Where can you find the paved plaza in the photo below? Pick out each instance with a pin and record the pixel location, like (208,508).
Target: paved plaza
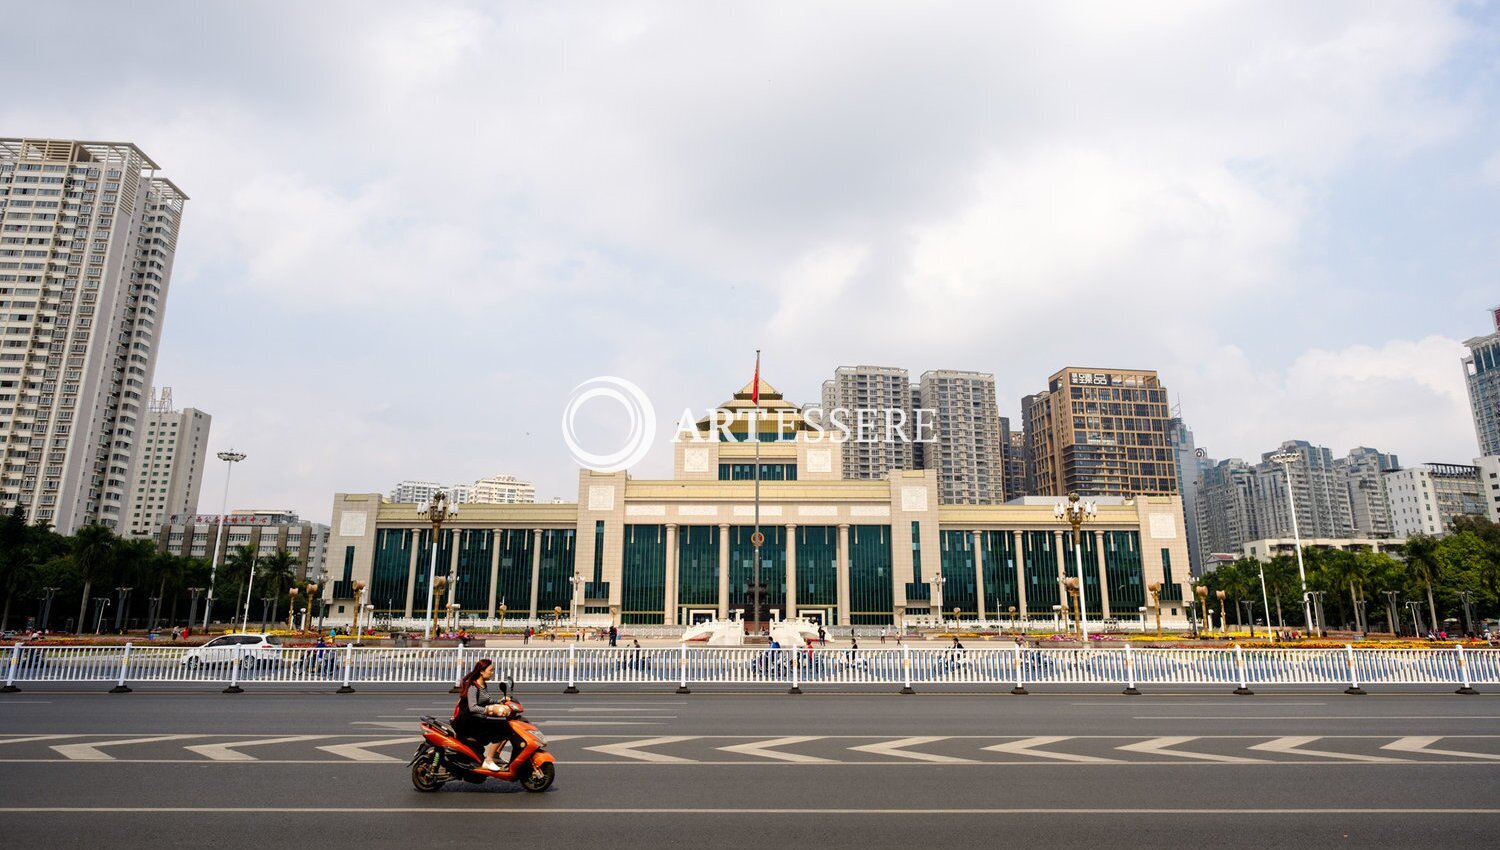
(642,768)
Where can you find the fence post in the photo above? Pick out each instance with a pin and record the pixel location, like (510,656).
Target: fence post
(1020,688)
(796,656)
(572,687)
(1354,687)
(1130,689)
(460,676)
(1463,669)
(120,687)
(682,687)
(10,677)
(234,673)
(1239,664)
(906,668)
(348,669)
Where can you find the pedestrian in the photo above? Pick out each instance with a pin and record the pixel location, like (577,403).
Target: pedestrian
(614,636)
(526,635)
(822,636)
(882,634)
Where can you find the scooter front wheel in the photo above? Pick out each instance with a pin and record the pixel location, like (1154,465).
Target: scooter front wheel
(540,778)
(423,776)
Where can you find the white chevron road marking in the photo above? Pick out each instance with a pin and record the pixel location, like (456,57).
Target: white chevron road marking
(897,749)
(1158,747)
(631,749)
(1026,747)
(358,752)
(1292,745)
(26,738)
(227,751)
(1423,744)
(95,752)
(765,750)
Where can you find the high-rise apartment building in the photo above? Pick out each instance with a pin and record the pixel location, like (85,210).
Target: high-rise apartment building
(86,247)
(1101,432)
(1318,491)
(422,492)
(1191,463)
(1226,511)
(1364,473)
(1482,374)
(967,451)
(885,395)
(1426,499)
(169,464)
(269,531)
(502,490)
(1016,457)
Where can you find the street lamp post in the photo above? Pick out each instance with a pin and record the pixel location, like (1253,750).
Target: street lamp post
(440,586)
(1467,597)
(1393,613)
(1249,606)
(1364,621)
(124,594)
(312,590)
(1075,512)
(1223,621)
(265,606)
(1286,459)
(291,610)
(453,609)
(556,620)
(1203,600)
(438,511)
(230,458)
(578,582)
(1154,588)
(359,593)
(1316,597)
(936,583)
(1416,617)
(47,606)
(193,606)
(100,603)
(502,617)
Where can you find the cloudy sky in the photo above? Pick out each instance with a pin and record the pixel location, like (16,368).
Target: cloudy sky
(415,227)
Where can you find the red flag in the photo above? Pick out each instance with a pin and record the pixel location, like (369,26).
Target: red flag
(755,384)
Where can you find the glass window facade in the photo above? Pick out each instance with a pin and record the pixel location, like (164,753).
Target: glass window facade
(1122,564)
(644,574)
(959,582)
(1040,558)
(424,565)
(475,548)
(768,472)
(870,580)
(772,569)
(1000,588)
(389,572)
(514,590)
(1093,601)
(558,549)
(698,565)
(817,565)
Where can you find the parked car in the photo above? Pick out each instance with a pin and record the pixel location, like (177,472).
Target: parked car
(252,649)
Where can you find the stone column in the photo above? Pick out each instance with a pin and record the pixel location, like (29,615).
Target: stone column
(843,574)
(979,573)
(1103,576)
(723,571)
(1017,553)
(411,573)
(669,605)
(495,570)
(791,571)
(536,569)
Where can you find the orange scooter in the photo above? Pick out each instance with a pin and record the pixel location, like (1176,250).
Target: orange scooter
(444,756)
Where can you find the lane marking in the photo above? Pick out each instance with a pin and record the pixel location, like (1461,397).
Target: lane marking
(23,740)
(1026,747)
(94,751)
(492,811)
(764,749)
(1158,747)
(630,749)
(897,749)
(1423,743)
(226,751)
(1293,744)
(1316,717)
(358,752)
(743,763)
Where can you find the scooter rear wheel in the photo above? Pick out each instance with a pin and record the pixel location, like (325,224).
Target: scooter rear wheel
(422,777)
(540,778)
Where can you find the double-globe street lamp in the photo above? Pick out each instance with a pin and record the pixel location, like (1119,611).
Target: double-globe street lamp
(1286,459)
(438,511)
(230,458)
(1075,512)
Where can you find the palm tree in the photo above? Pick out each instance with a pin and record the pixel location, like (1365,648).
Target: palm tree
(93,553)
(239,564)
(1422,560)
(279,570)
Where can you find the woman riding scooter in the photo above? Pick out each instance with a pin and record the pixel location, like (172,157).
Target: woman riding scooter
(480,718)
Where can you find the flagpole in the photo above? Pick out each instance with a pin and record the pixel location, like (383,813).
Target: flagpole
(756,538)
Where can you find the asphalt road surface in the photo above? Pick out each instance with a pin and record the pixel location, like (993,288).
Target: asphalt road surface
(650,769)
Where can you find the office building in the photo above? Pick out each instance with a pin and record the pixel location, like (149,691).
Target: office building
(1364,472)
(1482,375)
(1190,462)
(1015,457)
(269,531)
(1101,432)
(169,467)
(846,551)
(1489,484)
(1425,499)
(967,452)
(86,247)
(502,490)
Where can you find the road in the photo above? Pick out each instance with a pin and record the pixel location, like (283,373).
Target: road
(651,769)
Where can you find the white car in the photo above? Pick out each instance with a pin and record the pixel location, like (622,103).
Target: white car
(252,649)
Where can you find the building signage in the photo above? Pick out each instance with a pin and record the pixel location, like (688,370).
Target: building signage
(213,519)
(1097,379)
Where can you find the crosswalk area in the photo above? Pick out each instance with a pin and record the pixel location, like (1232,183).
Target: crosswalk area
(590,748)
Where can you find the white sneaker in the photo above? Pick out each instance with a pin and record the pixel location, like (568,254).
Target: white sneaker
(490,766)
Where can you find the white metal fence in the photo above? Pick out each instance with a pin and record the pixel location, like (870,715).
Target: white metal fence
(575,665)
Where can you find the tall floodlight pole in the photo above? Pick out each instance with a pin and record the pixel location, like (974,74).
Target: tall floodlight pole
(1075,512)
(230,458)
(438,511)
(1286,459)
